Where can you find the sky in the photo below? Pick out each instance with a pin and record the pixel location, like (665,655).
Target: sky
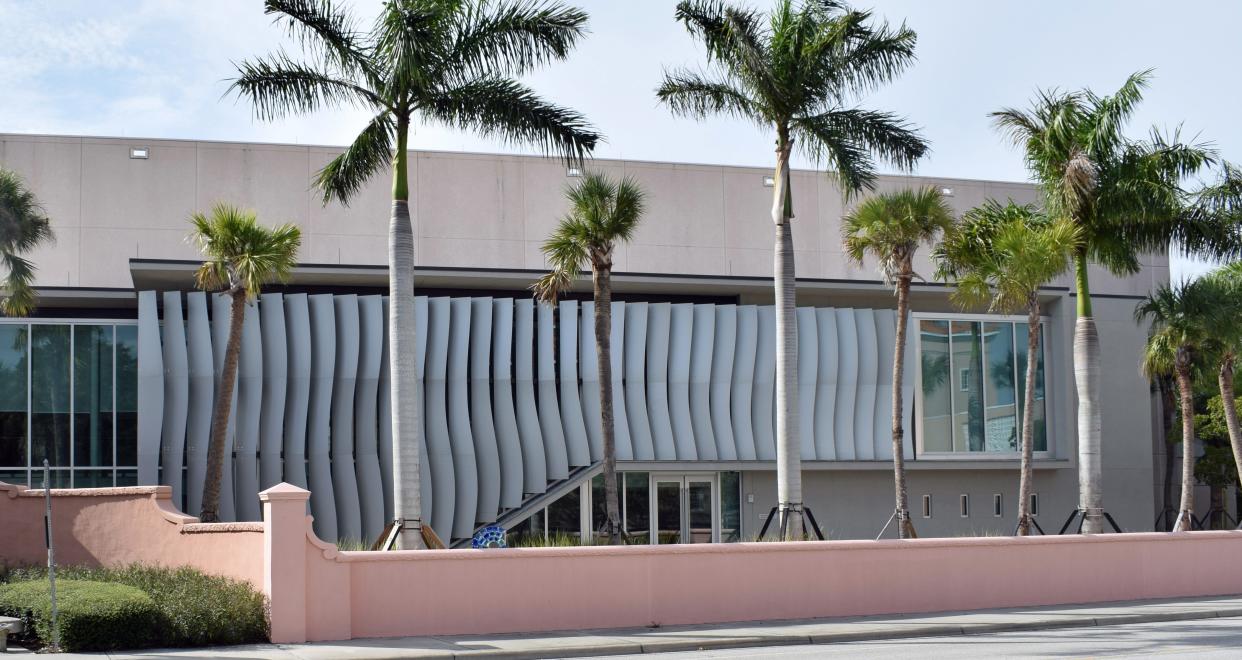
(161,69)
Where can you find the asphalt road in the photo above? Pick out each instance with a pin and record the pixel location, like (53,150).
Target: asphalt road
(1206,639)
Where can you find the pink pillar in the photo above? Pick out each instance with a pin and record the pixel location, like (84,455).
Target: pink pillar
(284,560)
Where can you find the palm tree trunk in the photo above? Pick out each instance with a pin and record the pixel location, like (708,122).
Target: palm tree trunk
(406,426)
(602,281)
(224,402)
(905,527)
(1028,418)
(788,449)
(1087,383)
(1186,511)
(1231,410)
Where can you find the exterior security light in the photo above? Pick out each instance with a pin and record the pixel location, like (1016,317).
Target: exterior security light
(573,172)
(768,182)
(139,152)
(946,191)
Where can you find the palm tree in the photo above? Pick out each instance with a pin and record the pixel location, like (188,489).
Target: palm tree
(1183,320)
(240,256)
(1000,255)
(1223,347)
(23,227)
(602,213)
(454,63)
(891,227)
(797,70)
(1127,199)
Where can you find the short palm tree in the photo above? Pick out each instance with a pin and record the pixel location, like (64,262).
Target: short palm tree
(1225,344)
(999,256)
(1183,320)
(797,71)
(602,213)
(453,63)
(23,227)
(891,227)
(1127,198)
(240,256)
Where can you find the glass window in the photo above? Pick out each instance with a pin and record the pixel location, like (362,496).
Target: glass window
(637,507)
(15,477)
(730,507)
(92,395)
(529,532)
(127,394)
(49,394)
(972,385)
(564,515)
(13,399)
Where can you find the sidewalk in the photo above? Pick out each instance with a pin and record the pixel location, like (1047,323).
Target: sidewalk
(714,636)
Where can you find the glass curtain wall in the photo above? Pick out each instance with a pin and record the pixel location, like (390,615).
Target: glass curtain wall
(68,394)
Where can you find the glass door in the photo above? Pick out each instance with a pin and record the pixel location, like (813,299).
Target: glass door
(685,508)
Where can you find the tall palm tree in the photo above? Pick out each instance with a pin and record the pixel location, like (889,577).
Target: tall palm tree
(999,256)
(891,227)
(1127,198)
(797,70)
(438,61)
(1182,320)
(240,256)
(23,227)
(602,213)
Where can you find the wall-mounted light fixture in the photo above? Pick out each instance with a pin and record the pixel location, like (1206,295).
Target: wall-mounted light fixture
(139,152)
(946,191)
(768,182)
(574,172)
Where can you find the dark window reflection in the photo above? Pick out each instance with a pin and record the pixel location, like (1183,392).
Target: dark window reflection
(127,394)
(13,400)
(92,395)
(49,400)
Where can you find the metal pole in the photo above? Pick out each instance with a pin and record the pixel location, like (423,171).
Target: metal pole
(51,551)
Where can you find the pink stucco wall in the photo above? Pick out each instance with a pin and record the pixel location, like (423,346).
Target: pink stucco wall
(118,526)
(318,593)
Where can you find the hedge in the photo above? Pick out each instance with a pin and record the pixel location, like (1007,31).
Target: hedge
(192,608)
(92,616)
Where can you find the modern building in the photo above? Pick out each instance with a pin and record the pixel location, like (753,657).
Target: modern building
(113,378)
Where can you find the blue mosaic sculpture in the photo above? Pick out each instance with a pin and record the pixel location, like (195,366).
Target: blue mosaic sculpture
(492,536)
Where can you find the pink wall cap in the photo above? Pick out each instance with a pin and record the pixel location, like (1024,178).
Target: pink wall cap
(284,491)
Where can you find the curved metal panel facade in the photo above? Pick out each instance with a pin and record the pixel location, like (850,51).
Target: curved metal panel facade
(501,382)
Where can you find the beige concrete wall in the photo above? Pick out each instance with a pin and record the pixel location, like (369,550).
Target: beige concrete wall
(471,210)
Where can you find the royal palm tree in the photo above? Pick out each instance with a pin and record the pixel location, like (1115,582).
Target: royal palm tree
(1127,198)
(999,256)
(1182,320)
(797,70)
(239,257)
(438,61)
(602,213)
(890,227)
(23,227)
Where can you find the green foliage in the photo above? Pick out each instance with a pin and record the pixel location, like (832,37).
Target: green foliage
(891,226)
(191,608)
(1125,195)
(23,227)
(602,213)
(1216,468)
(429,61)
(1183,320)
(91,616)
(798,68)
(1000,255)
(240,253)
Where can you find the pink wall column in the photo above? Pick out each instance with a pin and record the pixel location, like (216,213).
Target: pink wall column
(284,560)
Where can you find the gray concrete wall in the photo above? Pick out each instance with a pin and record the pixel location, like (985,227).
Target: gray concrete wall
(471,210)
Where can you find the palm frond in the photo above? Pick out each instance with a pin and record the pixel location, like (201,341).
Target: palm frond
(369,153)
(511,112)
(24,226)
(279,86)
(891,227)
(846,139)
(239,253)
(695,95)
(327,30)
(513,37)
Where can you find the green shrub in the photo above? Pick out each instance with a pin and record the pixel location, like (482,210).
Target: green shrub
(193,608)
(92,616)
